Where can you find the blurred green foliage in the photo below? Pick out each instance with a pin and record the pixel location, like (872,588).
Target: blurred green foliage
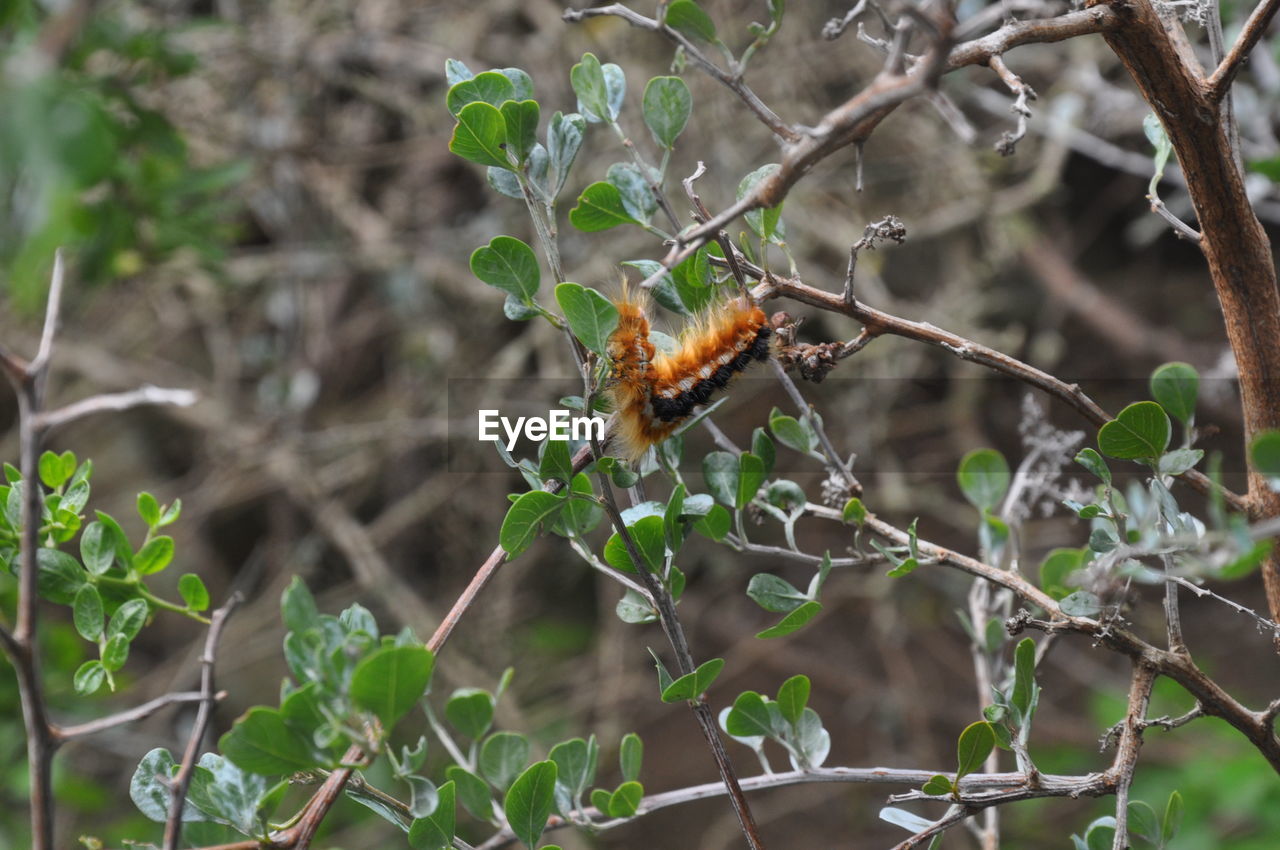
(85,163)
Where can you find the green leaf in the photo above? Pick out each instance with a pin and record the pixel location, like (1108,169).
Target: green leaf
(938,785)
(764,222)
(470,710)
(555,463)
(975,744)
(473,792)
(1265,454)
(390,681)
(631,755)
(687,17)
(695,684)
(520,118)
(97,548)
(573,764)
(601,798)
(149,509)
(794,621)
(508,264)
(693,280)
(520,81)
(524,520)
(1175,386)
(854,512)
(502,756)
(52,471)
(155,556)
(749,716)
(298,607)
(1093,462)
(579,516)
(1143,822)
(115,652)
(1248,562)
(600,207)
(129,619)
(633,188)
(793,696)
(715,524)
(722,473)
(790,432)
(261,742)
(750,477)
(60,577)
(530,801)
(1163,148)
(785,494)
(193,592)
(564,140)
(775,594)
(1172,817)
(591,316)
(120,540)
(1103,539)
(903,568)
(1179,461)
(480,135)
(587,79)
(491,87)
(436,830)
(151,783)
(762,447)
(170,514)
(649,537)
(1082,603)
(86,613)
(664,678)
(1056,570)
(89,677)
(667,105)
(1101,834)
(907,820)
(1140,432)
(1024,673)
(984,478)
(625,800)
(672,519)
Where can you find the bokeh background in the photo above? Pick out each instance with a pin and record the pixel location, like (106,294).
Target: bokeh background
(259,205)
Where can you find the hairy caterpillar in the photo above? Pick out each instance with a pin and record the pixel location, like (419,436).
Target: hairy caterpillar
(654,392)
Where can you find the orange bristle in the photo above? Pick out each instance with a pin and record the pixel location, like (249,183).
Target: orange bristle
(654,394)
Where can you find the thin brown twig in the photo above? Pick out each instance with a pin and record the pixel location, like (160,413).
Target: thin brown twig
(1219,81)
(877,322)
(1022,94)
(684,660)
(1126,760)
(114,402)
(733,81)
(130,715)
(41,739)
(182,781)
(853,122)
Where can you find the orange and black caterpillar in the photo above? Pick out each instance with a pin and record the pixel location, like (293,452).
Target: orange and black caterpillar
(653,393)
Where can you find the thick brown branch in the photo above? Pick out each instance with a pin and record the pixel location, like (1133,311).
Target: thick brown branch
(1155,52)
